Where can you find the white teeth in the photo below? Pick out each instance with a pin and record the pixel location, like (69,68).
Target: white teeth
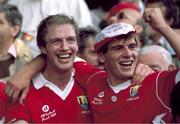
(126,63)
(64,56)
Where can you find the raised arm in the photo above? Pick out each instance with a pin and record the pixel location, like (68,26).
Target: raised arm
(19,82)
(155,19)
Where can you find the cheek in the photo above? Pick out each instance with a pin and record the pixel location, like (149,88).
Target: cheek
(49,50)
(74,48)
(135,54)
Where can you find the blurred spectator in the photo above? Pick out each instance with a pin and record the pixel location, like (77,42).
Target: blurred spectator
(3,1)
(154,35)
(139,3)
(171,14)
(124,10)
(80,11)
(33,11)
(86,45)
(13,52)
(156,57)
(98,9)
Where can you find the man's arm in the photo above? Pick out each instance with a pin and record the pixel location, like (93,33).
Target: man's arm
(19,122)
(155,19)
(19,82)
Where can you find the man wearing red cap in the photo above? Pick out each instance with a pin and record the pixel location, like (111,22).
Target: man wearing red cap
(112,96)
(124,10)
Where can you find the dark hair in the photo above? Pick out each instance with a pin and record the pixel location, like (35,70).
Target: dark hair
(104,48)
(12,15)
(58,19)
(84,34)
(175,100)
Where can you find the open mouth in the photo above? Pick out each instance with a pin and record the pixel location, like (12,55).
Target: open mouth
(63,56)
(126,63)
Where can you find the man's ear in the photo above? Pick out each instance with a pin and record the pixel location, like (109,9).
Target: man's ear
(15,30)
(171,67)
(43,49)
(100,57)
(138,28)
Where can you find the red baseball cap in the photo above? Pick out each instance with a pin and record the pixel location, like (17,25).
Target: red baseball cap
(123,5)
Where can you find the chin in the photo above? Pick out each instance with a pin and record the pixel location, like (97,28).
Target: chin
(128,74)
(65,66)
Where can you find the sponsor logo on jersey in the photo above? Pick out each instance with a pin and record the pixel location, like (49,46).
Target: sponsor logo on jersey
(97,101)
(45,108)
(101,94)
(83,102)
(47,113)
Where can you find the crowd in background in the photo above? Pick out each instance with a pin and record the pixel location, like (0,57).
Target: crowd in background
(18,31)
(96,15)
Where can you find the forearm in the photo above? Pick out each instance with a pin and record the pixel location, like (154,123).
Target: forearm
(29,70)
(155,19)
(20,122)
(35,66)
(172,37)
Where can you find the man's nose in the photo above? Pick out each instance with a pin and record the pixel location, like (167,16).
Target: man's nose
(64,45)
(127,52)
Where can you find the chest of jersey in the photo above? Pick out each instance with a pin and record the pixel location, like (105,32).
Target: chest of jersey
(138,103)
(49,107)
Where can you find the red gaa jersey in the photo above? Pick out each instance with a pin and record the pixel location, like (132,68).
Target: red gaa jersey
(144,103)
(3,100)
(46,103)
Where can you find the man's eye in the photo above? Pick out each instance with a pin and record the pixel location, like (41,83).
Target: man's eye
(116,48)
(133,46)
(71,40)
(54,42)
(120,15)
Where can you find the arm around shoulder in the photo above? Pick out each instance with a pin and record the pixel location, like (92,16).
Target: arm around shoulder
(20,81)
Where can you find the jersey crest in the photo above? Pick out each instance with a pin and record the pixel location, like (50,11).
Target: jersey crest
(83,102)
(134,90)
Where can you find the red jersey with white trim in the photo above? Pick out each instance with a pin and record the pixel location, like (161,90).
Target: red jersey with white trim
(3,100)
(138,103)
(45,106)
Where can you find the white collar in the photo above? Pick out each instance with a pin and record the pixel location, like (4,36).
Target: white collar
(39,81)
(120,87)
(12,51)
